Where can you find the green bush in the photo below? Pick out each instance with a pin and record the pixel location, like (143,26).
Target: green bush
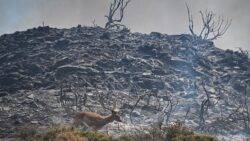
(26,132)
(55,131)
(175,132)
(179,132)
(96,136)
(193,138)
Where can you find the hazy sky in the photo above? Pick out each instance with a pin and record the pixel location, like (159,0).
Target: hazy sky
(165,16)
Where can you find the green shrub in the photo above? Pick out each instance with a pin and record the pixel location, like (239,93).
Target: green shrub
(95,136)
(69,136)
(55,131)
(26,132)
(177,129)
(193,138)
(124,138)
(175,132)
(30,133)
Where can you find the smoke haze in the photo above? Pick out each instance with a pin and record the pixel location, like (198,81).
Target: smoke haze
(165,16)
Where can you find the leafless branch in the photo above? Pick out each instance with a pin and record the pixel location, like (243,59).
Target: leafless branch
(244,53)
(186,115)
(104,97)
(206,103)
(117,6)
(94,23)
(190,20)
(212,27)
(246,111)
(135,105)
(168,109)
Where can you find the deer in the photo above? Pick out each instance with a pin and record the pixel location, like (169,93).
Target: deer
(95,120)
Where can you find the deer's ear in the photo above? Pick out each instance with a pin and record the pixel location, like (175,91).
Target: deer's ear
(114,106)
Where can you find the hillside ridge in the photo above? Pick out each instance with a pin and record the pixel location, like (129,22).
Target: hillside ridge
(46,73)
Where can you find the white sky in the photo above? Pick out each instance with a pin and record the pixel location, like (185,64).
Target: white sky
(165,16)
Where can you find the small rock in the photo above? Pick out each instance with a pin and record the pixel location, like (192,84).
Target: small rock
(31,96)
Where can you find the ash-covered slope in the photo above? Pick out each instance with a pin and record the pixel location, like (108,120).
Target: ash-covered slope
(45,73)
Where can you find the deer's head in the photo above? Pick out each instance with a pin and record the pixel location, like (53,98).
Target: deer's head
(115,115)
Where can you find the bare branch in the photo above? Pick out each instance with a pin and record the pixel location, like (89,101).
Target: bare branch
(135,105)
(212,27)
(117,6)
(101,98)
(190,19)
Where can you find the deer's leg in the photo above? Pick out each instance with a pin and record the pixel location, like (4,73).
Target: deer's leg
(107,129)
(94,129)
(86,126)
(76,122)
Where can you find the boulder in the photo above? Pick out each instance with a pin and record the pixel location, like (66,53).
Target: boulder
(62,62)
(68,70)
(149,83)
(61,44)
(177,62)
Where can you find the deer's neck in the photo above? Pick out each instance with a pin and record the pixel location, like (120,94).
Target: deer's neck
(108,119)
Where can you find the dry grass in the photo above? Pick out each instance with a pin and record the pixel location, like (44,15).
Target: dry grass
(175,132)
(69,136)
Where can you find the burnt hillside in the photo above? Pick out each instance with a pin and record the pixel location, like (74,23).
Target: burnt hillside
(47,72)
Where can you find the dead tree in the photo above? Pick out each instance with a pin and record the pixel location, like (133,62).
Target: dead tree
(206,104)
(105,99)
(244,53)
(190,20)
(168,109)
(73,93)
(246,110)
(116,8)
(213,27)
(135,105)
(186,115)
